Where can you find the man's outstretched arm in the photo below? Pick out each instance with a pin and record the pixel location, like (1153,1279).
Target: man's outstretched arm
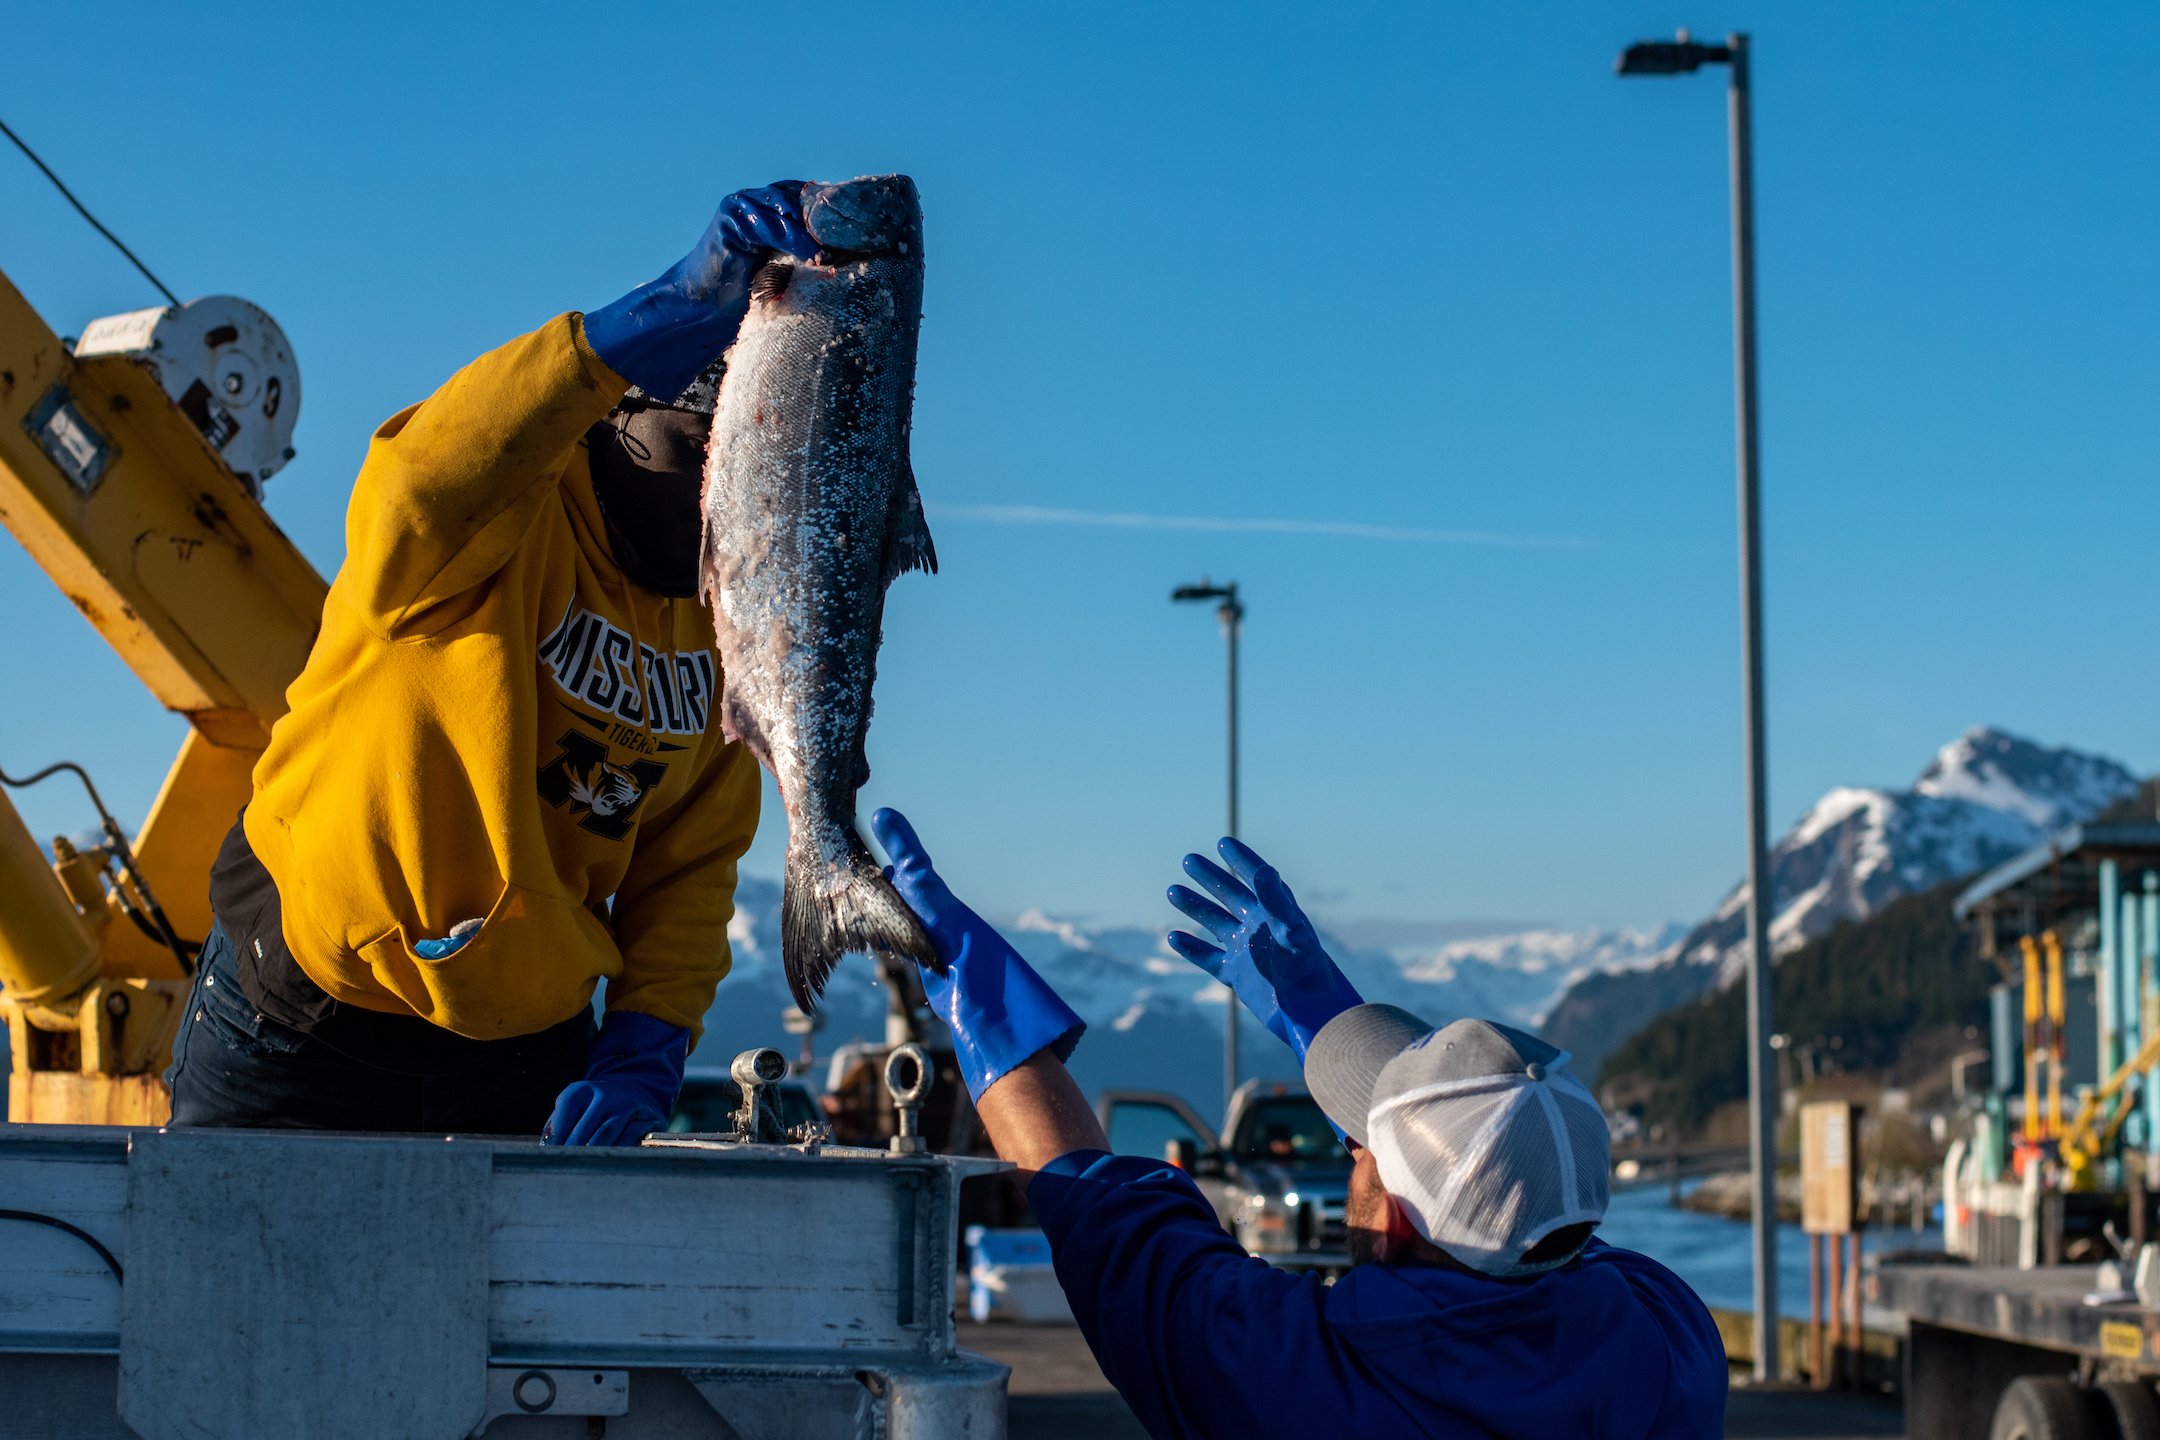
(1036,1113)
(1200,1338)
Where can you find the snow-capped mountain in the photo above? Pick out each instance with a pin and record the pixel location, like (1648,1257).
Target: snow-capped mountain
(1516,977)
(2049,788)
(1986,796)
(1154,1022)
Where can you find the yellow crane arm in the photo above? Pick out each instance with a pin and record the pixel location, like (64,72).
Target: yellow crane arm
(117,495)
(160,547)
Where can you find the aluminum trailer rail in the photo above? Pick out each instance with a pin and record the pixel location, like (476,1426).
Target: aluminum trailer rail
(428,1288)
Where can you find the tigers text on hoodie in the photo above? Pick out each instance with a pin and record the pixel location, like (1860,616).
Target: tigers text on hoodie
(1205,1342)
(496,724)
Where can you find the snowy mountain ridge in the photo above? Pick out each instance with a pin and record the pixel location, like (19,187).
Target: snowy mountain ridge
(2049,787)
(1985,797)
(1154,1021)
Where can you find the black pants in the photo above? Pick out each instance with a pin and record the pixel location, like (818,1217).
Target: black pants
(234,1066)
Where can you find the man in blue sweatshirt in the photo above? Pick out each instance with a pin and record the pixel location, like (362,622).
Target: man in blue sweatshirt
(1481,1303)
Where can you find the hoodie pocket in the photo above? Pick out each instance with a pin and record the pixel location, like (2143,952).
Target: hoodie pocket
(526,968)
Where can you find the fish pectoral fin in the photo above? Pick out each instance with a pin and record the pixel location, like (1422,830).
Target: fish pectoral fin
(739,726)
(907,534)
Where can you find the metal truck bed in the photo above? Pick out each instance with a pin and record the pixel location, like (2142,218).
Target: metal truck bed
(421,1286)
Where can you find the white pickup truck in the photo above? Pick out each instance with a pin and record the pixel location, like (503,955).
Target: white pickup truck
(1276,1173)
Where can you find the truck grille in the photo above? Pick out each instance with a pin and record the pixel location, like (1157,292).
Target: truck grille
(1321,1225)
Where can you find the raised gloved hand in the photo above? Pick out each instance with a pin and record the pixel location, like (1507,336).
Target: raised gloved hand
(662,335)
(631,1081)
(1001,1012)
(1269,955)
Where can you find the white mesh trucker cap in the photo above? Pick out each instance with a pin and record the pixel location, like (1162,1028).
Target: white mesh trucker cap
(1481,1132)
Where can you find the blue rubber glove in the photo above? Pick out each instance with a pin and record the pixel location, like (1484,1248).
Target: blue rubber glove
(1001,1012)
(631,1081)
(1270,955)
(662,335)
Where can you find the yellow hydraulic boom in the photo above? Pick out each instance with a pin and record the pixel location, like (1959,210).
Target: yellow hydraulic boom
(121,492)
(2100,1117)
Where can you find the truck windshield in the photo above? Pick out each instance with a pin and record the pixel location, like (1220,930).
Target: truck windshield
(1286,1127)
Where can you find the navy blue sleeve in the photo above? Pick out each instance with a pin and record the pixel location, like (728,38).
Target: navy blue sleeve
(1201,1339)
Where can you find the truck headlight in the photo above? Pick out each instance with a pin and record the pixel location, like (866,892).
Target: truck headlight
(1268,1225)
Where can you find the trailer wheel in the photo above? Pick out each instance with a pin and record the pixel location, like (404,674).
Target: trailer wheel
(2046,1407)
(2136,1410)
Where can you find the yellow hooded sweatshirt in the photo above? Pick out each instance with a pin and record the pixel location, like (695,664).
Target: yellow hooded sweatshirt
(496,724)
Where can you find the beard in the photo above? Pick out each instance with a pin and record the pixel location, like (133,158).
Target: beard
(1365,1216)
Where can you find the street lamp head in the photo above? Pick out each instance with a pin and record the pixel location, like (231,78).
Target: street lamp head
(1669,57)
(1205,590)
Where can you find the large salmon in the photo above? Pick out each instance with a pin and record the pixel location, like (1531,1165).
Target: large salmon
(810,511)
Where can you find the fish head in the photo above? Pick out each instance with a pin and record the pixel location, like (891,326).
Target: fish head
(874,215)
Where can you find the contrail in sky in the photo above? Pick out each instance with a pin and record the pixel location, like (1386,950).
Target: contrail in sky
(1242,525)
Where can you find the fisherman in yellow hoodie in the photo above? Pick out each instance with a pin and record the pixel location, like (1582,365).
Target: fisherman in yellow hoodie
(502,778)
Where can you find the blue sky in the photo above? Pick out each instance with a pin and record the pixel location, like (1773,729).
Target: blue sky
(1422,268)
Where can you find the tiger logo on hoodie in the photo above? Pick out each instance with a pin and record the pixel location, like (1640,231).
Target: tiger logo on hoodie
(604,795)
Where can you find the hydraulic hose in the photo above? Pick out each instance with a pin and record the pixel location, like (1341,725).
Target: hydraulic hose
(153,920)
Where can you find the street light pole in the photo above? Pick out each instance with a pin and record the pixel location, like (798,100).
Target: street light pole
(1762,1079)
(1231,612)
(1679,57)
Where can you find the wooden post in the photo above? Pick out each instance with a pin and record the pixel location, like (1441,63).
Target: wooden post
(1852,1332)
(1837,1309)
(1816,1371)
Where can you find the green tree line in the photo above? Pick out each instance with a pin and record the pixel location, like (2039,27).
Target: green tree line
(1868,984)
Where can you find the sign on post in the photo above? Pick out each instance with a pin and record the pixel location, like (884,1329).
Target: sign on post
(1830,1206)
(1829,1172)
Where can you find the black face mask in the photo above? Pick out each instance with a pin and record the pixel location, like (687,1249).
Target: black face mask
(648,470)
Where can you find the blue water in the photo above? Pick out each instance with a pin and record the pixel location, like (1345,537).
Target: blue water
(1713,1255)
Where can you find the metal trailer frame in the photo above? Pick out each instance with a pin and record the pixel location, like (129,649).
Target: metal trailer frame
(428,1288)
(1973,1330)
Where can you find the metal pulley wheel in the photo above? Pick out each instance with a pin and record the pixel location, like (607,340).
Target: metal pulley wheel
(226,365)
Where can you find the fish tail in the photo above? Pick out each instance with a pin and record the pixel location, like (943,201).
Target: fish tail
(828,911)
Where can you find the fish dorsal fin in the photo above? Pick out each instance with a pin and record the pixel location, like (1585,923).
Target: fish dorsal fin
(907,534)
